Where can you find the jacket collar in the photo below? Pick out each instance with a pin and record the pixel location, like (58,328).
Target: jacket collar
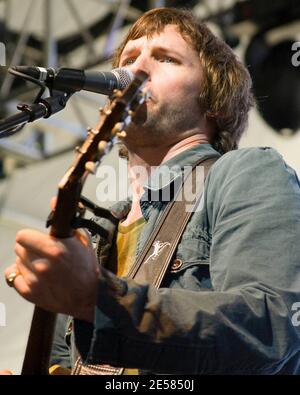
(166,174)
(173,169)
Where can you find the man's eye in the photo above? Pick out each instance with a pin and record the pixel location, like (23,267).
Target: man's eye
(166,59)
(128,62)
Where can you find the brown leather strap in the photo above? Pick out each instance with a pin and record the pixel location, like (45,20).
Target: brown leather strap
(156,256)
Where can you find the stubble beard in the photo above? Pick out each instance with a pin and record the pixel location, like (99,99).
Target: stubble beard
(160,123)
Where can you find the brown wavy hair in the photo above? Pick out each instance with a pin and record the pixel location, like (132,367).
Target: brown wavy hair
(226,95)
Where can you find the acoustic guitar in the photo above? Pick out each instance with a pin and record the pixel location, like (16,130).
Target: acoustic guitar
(67,213)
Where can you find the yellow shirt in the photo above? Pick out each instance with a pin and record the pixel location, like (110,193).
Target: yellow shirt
(126,245)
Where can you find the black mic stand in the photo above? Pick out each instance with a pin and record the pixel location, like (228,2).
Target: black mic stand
(43,108)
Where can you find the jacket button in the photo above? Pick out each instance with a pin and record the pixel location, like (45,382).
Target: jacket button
(177,263)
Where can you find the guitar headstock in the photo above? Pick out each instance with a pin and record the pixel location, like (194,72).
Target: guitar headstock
(114,121)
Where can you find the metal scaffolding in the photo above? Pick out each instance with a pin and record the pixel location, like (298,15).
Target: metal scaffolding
(23,47)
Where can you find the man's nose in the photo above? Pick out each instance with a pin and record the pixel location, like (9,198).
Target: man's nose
(142,63)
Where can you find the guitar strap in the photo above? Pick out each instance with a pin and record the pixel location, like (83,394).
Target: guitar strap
(155,258)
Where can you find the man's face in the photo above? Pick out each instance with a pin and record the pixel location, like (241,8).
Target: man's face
(175,80)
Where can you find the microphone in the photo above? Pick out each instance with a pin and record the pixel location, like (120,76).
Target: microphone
(74,80)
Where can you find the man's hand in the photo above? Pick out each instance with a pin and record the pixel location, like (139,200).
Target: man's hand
(5,372)
(58,275)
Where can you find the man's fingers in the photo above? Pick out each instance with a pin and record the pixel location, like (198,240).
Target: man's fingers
(84,237)
(29,261)
(9,271)
(5,372)
(24,257)
(15,279)
(22,287)
(32,239)
(38,244)
(53,202)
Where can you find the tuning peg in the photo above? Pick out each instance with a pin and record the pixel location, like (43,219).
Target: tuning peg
(102,145)
(122,134)
(117,93)
(106,112)
(77,149)
(117,128)
(89,130)
(91,167)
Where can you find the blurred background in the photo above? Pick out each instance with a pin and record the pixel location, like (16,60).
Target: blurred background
(265,34)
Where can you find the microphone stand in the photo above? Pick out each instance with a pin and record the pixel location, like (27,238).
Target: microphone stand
(44,108)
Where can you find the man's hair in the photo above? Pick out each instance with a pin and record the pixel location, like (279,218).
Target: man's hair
(226,95)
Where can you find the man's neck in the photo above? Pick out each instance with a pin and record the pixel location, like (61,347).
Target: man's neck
(150,156)
(140,169)
(184,145)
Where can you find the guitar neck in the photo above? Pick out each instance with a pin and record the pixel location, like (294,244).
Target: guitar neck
(123,105)
(39,344)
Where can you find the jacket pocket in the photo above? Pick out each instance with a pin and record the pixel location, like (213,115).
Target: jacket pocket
(194,249)
(190,275)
